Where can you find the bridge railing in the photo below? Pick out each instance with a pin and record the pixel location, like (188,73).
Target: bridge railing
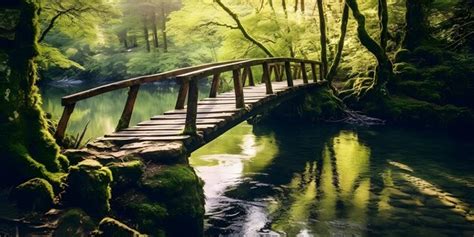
(189,86)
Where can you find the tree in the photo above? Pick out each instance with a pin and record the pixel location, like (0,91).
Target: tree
(416,29)
(322,29)
(28,149)
(337,59)
(384,68)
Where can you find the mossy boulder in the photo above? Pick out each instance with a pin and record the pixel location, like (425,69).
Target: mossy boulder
(402,55)
(88,187)
(110,227)
(75,222)
(126,174)
(34,195)
(178,189)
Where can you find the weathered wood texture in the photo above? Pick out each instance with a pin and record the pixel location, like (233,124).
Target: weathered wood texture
(188,79)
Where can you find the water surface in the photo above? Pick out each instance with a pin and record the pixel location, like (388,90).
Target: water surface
(332,180)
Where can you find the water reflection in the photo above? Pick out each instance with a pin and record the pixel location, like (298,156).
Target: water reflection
(328,181)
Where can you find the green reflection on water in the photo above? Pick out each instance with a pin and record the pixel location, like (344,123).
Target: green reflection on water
(328,181)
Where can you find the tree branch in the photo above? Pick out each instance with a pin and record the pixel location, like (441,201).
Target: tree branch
(219,24)
(243,30)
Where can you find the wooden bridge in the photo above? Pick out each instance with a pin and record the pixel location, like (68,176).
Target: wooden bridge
(200,121)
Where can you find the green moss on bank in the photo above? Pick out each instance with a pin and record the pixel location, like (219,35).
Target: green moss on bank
(34,195)
(88,187)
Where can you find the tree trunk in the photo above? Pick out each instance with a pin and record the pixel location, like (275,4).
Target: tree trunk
(384,69)
(163,28)
(340,47)
(383,21)
(322,29)
(416,29)
(28,149)
(302,6)
(296,5)
(146,34)
(154,29)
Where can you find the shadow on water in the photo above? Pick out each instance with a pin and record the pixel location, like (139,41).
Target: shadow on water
(331,180)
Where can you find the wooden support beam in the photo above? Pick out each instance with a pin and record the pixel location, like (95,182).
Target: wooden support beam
(62,125)
(321,72)
(182,94)
(303,73)
(313,72)
(191,110)
(215,85)
(266,78)
(244,76)
(289,79)
(250,76)
(238,88)
(124,121)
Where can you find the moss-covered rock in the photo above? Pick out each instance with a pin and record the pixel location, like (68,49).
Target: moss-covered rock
(178,189)
(34,195)
(402,55)
(88,187)
(109,227)
(126,174)
(75,223)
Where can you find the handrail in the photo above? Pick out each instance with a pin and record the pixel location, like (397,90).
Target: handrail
(70,99)
(189,87)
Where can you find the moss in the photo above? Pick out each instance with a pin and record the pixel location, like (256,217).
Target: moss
(421,90)
(402,55)
(26,144)
(74,223)
(88,187)
(126,173)
(427,55)
(34,195)
(148,217)
(179,190)
(113,228)
(412,112)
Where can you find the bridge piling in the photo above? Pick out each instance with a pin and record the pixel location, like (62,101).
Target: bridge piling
(289,78)
(303,73)
(313,72)
(214,85)
(266,78)
(182,94)
(239,92)
(191,110)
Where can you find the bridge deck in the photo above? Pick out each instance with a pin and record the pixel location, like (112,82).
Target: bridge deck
(214,116)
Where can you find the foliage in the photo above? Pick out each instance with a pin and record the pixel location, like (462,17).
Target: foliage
(113,228)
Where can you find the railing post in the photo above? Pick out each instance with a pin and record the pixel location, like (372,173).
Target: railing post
(250,76)
(191,109)
(62,125)
(124,121)
(321,73)
(289,79)
(266,78)
(239,91)
(303,73)
(244,76)
(313,72)
(215,85)
(183,92)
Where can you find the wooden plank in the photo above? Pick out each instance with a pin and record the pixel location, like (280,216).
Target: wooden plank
(183,116)
(133,139)
(124,121)
(224,102)
(165,127)
(62,125)
(144,134)
(179,122)
(204,111)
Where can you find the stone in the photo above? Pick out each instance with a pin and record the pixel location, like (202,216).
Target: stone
(88,187)
(127,173)
(34,195)
(109,227)
(74,222)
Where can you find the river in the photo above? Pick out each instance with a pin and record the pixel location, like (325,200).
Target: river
(282,179)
